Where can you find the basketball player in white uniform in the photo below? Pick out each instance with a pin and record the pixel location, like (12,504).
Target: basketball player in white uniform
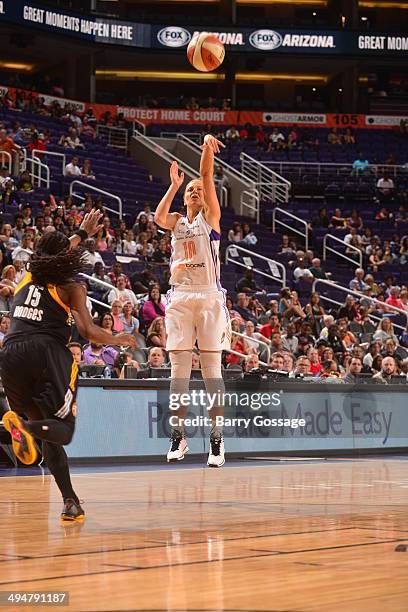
(196,302)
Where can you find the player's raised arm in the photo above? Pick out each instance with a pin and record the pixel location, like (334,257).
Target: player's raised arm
(212,206)
(163,217)
(85,325)
(89,227)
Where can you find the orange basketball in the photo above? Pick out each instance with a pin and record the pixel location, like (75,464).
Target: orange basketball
(205,52)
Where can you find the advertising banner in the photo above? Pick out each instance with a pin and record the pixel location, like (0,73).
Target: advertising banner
(321,417)
(203,117)
(265,39)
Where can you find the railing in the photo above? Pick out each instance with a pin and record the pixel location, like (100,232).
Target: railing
(251,339)
(348,291)
(251,192)
(274,266)
(271,185)
(326,248)
(88,188)
(138,126)
(5,155)
(285,213)
(242,355)
(330,169)
(39,172)
(250,201)
(166,155)
(114,136)
(53,154)
(195,137)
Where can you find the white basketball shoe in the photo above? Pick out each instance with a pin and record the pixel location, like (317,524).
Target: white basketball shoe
(216,456)
(178,446)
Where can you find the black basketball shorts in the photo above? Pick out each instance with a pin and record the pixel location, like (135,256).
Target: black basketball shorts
(40,378)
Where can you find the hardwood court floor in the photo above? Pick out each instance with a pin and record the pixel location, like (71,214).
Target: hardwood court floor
(317,537)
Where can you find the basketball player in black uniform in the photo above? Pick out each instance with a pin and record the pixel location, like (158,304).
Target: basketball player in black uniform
(38,372)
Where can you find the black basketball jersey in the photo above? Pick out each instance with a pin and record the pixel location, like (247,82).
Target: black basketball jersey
(38,311)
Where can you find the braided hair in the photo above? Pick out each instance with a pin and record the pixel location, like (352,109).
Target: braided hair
(54,262)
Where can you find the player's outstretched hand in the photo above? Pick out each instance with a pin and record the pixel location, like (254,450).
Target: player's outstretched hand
(126,340)
(176,179)
(212,142)
(91,223)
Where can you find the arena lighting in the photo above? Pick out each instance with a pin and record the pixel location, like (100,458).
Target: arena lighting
(260,76)
(297,2)
(16,66)
(386,5)
(160,75)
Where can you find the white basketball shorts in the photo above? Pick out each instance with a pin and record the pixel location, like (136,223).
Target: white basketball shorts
(197,315)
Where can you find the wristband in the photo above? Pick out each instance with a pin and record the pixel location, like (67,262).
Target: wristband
(82,234)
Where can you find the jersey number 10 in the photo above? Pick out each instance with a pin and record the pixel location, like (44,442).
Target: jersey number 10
(189,249)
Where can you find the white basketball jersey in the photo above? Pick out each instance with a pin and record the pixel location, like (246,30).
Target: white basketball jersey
(195,254)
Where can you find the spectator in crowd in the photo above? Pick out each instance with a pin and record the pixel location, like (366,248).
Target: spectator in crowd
(393,299)
(97,354)
(242,308)
(156,358)
(357,283)
(129,321)
(337,220)
(385,330)
(289,305)
(391,350)
(303,366)
(355,220)
(271,327)
(289,340)
(348,310)
(246,284)
(301,272)
(322,220)
(71,140)
(315,312)
(315,365)
(98,290)
(123,359)
(251,362)
(248,236)
(76,352)
(195,360)
(116,312)
(73,169)
(153,307)
(385,188)
(121,293)
(237,344)
(251,337)
(317,269)
(116,272)
(129,245)
(360,165)
(388,370)
(288,364)
(233,314)
(86,170)
(287,246)
(23,253)
(276,140)
(4,327)
(333,138)
(91,256)
(277,361)
(235,233)
(373,351)
(329,371)
(156,334)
